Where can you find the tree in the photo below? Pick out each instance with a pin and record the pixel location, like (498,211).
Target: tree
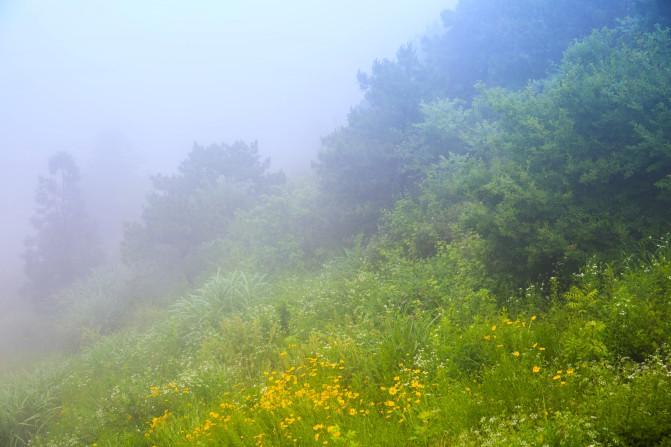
(65,246)
(196,206)
(575,166)
(379,156)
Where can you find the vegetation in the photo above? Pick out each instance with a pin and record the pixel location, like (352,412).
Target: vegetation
(567,168)
(196,206)
(378,157)
(511,287)
(65,247)
(407,353)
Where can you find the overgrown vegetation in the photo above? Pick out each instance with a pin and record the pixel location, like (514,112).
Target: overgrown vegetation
(483,265)
(406,353)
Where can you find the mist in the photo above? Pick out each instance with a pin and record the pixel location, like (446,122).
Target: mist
(127,88)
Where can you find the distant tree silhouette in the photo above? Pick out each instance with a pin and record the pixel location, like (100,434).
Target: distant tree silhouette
(65,246)
(196,205)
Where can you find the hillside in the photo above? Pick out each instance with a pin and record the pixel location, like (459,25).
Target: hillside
(481,258)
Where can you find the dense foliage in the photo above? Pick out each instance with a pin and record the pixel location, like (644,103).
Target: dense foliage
(197,205)
(378,157)
(407,353)
(575,166)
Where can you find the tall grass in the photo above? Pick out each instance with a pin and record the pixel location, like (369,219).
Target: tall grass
(370,354)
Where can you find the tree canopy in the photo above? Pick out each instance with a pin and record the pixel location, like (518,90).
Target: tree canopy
(379,155)
(197,204)
(563,169)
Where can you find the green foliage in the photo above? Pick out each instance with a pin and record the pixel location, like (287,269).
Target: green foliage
(380,156)
(421,356)
(552,174)
(99,304)
(196,206)
(29,405)
(283,232)
(638,391)
(629,314)
(219,296)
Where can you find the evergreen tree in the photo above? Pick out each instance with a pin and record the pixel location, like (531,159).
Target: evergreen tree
(65,246)
(195,206)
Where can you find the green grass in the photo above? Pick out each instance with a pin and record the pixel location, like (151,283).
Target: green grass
(397,353)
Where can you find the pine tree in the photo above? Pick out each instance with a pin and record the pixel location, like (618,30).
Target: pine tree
(65,245)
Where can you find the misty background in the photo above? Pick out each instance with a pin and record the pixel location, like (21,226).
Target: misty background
(129,87)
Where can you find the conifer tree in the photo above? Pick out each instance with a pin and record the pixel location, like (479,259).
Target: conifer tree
(65,245)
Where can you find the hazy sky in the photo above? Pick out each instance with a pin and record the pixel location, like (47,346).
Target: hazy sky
(151,77)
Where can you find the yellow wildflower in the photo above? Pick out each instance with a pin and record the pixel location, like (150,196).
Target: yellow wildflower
(154,391)
(334,430)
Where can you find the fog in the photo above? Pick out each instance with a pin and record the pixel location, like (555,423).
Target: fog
(127,87)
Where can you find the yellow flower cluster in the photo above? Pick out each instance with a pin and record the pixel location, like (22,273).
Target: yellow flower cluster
(317,384)
(259,439)
(316,387)
(323,431)
(404,393)
(156,422)
(560,375)
(169,388)
(214,419)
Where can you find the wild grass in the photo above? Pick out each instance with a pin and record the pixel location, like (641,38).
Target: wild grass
(370,354)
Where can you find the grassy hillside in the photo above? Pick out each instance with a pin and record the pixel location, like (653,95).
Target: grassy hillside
(401,353)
